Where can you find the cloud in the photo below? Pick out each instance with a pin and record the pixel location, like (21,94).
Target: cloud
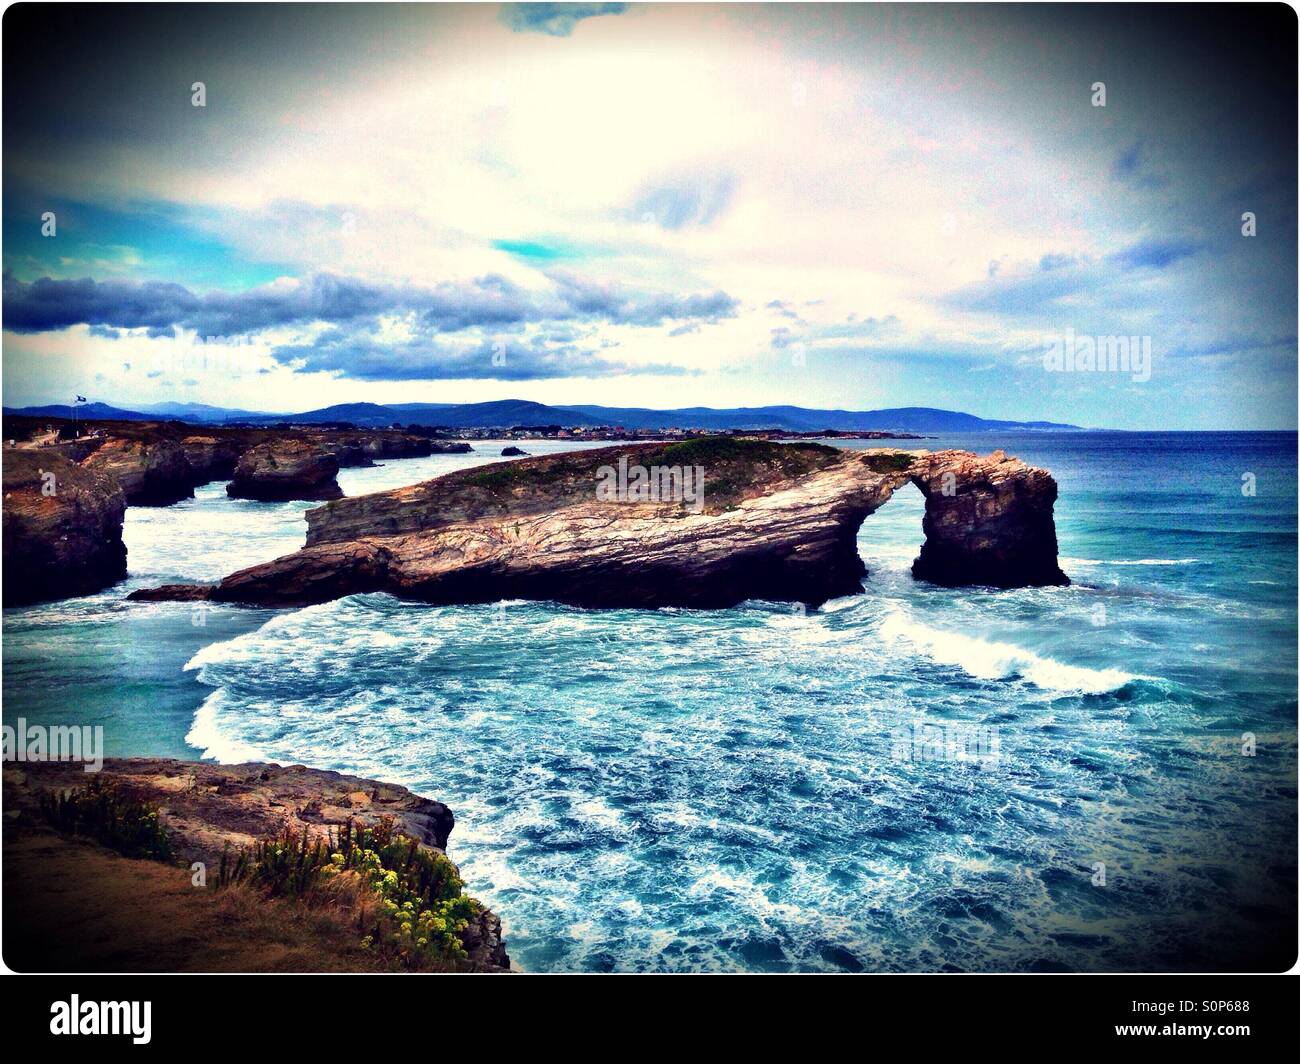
(1058,279)
(491,301)
(362,356)
(678,203)
(1153,254)
(1132,166)
(555,20)
(488,328)
(835,333)
(618,304)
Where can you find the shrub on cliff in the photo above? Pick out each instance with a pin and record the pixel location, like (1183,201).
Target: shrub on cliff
(104,812)
(895,462)
(408,899)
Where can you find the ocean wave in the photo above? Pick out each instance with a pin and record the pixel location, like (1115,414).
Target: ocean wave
(206,735)
(989,660)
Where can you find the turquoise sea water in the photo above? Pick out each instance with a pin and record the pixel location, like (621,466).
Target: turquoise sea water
(737,790)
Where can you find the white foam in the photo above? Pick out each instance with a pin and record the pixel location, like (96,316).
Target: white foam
(989,660)
(205,734)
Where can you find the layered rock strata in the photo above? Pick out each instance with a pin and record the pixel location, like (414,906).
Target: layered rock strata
(62,528)
(706,523)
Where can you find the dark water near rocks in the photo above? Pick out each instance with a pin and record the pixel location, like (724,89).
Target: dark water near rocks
(759,789)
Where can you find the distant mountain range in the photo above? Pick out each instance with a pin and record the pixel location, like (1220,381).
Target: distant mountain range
(508,413)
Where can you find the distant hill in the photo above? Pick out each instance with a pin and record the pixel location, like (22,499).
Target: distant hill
(368,415)
(802,419)
(199,412)
(507,413)
(85,412)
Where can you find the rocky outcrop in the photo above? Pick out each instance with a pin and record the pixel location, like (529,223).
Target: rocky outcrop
(283,469)
(62,528)
(360,449)
(705,523)
(210,809)
(987,521)
(212,457)
(152,473)
(512,452)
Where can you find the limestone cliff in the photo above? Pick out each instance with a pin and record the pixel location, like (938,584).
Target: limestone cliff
(62,528)
(765,520)
(284,469)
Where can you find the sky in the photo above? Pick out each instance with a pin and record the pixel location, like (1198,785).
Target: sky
(835,206)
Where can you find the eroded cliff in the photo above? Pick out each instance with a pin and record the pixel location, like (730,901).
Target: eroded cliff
(739,519)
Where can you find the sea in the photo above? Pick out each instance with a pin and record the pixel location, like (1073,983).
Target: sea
(1100,777)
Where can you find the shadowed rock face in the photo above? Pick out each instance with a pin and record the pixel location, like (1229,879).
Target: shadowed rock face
(208,809)
(360,449)
(987,521)
(60,544)
(775,521)
(151,473)
(212,457)
(284,469)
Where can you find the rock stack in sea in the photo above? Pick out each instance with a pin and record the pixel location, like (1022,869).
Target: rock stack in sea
(284,469)
(772,521)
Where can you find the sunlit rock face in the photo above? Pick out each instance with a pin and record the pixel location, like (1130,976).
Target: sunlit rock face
(285,469)
(151,472)
(62,528)
(707,523)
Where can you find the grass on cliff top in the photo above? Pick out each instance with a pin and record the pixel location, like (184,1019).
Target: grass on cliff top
(111,816)
(730,464)
(406,900)
(895,462)
(147,916)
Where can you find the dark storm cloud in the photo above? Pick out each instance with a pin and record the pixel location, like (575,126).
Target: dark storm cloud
(491,301)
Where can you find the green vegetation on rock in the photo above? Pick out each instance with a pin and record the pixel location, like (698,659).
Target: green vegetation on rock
(419,911)
(894,462)
(106,813)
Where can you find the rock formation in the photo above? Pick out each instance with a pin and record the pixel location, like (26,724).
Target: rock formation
(208,808)
(512,452)
(212,457)
(994,526)
(629,526)
(151,472)
(62,528)
(283,469)
(360,449)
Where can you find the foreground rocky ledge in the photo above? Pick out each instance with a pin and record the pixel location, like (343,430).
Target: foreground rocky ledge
(209,808)
(773,521)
